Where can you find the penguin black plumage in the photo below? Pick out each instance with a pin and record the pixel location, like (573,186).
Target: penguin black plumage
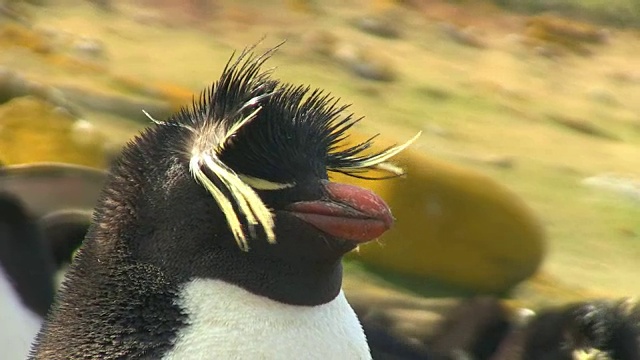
(26,278)
(218,234)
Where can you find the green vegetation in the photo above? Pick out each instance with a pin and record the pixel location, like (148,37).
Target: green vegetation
(608,12)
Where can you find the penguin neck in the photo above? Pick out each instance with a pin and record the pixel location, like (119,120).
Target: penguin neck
(301,282)
(306,284)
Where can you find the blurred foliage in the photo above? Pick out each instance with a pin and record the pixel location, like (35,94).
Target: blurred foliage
(564,33)
(35,131)
(608,12)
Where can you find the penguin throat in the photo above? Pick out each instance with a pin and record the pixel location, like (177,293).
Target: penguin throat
(293,284)
(227,322)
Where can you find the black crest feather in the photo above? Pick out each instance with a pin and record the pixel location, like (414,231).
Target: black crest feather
(250,132)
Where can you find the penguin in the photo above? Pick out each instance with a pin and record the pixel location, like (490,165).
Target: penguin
(26,278)
(604,327)
(59,199)
(53,187)
(38,235)
(218,234)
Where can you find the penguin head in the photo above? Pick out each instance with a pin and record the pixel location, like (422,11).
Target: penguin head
(240,180)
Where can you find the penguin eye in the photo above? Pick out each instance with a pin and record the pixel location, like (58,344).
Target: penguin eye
(262,184)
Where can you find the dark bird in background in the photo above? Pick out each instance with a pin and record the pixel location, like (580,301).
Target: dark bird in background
(55,202)
(26,278)
(38,235)
(24,256)
(483,328)
(219,235)
(611,327)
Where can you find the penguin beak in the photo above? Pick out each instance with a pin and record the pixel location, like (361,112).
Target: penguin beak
(347,212)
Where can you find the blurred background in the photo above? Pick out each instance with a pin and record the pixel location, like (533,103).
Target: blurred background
(525,182)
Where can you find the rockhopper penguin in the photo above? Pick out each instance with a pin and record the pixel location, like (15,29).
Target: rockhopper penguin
(219,236)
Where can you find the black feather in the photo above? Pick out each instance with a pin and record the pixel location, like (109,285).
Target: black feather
(296,131)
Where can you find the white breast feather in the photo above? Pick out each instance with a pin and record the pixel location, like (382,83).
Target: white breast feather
(18,325)
(228,322)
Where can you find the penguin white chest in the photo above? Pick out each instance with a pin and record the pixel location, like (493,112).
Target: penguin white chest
(228,322)
(18,325)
